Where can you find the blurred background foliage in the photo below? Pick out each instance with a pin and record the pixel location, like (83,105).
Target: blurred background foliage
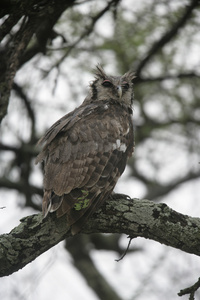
(54,47)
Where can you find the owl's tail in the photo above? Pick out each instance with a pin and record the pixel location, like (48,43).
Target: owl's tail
(78,206)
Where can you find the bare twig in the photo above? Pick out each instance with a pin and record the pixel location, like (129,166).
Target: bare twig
(125,252)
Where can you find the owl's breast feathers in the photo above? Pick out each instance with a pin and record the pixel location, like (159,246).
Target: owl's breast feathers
(85,153)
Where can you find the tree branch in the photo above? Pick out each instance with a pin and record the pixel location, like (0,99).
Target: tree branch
(132,217)
(78,248)
(24,149)
(168,36)
(190,290)
(39,19)
(20,186)
(87,31)
(189,75)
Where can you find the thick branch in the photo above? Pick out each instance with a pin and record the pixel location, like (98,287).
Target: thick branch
(132,217)
(38,19)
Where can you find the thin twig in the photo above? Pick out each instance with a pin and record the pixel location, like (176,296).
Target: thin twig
(125,252)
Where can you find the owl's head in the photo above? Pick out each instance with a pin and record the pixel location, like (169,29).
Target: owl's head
(117,88)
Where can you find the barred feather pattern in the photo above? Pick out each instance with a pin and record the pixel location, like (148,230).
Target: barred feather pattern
(86,151)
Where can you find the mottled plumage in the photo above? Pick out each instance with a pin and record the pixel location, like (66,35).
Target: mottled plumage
(85,152)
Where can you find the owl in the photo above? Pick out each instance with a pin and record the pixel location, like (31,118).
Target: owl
(86,151)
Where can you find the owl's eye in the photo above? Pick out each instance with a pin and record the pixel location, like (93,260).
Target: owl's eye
(125,85)
(107,83)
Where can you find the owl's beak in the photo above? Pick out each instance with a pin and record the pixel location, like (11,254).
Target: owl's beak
(119,91)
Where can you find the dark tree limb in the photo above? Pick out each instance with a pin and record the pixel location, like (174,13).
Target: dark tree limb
(168,36)
(38,17)
(132,217)
(189,75)
(19,186)
(156,190)
(27,102)
(24,149)
(78,248)
(14,54)
(190,290)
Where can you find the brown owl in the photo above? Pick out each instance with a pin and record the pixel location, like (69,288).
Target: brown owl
(85,152)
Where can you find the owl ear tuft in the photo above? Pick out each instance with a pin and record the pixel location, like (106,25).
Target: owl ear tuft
(99,72)
(130,75)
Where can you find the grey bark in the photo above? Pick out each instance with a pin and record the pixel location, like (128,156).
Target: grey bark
(133,217)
